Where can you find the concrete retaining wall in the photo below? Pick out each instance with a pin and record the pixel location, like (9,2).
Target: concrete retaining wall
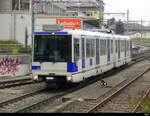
(15,65)
(15,27)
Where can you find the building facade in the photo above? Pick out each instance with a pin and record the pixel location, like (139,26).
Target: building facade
(45,7)
(92,8)
(15,16)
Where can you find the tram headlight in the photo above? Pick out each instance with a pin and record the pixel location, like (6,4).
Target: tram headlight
(69,78)
(35,78)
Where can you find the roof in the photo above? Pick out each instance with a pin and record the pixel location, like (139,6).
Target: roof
(89,33)
(85,32)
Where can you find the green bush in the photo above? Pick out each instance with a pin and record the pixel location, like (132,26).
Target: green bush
(13,47)
(8,42)
(141,39)
(24,50)
(6,50)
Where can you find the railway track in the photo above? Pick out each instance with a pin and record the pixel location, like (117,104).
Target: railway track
(120,99)
(34,100)
(13,83)
(14,104)
(54,108)
(19,82)
(8,106)
(117,102)
(138,107)
(140,57)
(88,106)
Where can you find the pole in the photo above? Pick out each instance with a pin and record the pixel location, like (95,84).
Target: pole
(32,24)
(127,22)
(141,28)
(100,20)
(100,17)
(32,19)
(19,5)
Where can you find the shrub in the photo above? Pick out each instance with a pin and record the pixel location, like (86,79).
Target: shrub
(24,50)
(6,50)
(13,47)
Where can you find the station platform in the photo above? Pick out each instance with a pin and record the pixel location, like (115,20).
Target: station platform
(95,90)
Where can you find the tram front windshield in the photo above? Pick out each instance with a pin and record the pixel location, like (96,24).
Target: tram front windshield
(52,48)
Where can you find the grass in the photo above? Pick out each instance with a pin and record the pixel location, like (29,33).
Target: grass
(12,47)
(144,106)
(147,40)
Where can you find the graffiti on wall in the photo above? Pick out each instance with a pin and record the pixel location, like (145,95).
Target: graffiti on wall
(9,65)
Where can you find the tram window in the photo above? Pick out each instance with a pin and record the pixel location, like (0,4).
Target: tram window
(101,51)
(105,51)
(111,46)
(92,48)
(130,45)
(122,45)
(97,51)
(116,45)
(83,47)
(127,45)
(108,46)
(76,49)
(128,48)
(52,48)
(103,46)
(88,48)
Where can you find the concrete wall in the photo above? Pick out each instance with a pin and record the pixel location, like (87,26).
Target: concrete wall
(39,22)
(15,65)
(15,26)
(5,5)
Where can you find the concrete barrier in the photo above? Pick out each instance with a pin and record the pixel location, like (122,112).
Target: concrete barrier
(15,65)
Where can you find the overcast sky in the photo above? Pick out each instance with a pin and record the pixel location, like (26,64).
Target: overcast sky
(138,9)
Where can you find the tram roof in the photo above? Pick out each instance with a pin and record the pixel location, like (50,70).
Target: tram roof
(87,32)
(84,32)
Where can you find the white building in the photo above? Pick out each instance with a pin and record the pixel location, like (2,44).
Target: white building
(15,18)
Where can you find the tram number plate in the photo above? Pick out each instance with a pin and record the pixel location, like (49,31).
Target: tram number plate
(49,78)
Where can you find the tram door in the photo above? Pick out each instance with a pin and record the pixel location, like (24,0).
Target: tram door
(125,42)
(83,52)
(119,49)
(108,50)
(97,52)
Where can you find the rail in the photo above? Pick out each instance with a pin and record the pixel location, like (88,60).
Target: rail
(91,110)
(137,107)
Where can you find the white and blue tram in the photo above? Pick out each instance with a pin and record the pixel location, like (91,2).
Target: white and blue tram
(75,55)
